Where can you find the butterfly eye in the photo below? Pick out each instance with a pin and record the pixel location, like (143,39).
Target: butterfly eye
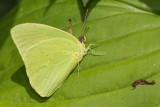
(82,39)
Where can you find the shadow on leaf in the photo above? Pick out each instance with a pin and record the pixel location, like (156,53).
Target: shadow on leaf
(20,77)
(51,2)
(154,5)
(90,5)
(5,28)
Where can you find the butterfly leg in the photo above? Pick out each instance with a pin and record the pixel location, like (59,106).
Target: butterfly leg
(70,27)
(92,51)
(89,48)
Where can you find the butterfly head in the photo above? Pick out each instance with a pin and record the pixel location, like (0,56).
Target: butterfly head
(82,39)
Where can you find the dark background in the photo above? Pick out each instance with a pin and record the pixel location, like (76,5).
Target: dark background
(6,6)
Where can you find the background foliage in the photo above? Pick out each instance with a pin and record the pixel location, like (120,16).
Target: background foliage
(128,35)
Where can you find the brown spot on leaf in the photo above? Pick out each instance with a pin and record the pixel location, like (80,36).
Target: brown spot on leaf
(142,82)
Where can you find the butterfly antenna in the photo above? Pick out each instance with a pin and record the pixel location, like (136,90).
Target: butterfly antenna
(84,23)
(86,30)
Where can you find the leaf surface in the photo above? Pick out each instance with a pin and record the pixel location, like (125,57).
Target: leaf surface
(127,33)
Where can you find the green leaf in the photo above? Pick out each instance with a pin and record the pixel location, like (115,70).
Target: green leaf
(127,33)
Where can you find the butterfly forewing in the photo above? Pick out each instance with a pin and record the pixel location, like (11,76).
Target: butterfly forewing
(49,55)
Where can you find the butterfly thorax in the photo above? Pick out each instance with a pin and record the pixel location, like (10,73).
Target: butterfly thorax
(79,55)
